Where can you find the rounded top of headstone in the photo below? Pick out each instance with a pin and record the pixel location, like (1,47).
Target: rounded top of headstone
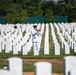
(5,72)
(69,57)
(14,58)
(42,63)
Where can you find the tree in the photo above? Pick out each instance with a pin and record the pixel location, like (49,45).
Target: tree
(34,8)
(60,10)
(15,10)
(49,17)
(4,5)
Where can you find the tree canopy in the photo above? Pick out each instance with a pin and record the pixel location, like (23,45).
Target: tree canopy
(14,11)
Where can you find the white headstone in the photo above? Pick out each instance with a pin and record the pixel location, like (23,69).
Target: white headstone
(62,44)
(15,49)
(5,72)
(73,72)
(42,68)
(74,46)
(46,49)
(66,48)
(14,65)
(0,44)
(3,43)
(24,50)
(7,46)
(69,64)
(56,49)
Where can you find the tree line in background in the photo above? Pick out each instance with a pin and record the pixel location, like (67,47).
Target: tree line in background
(14,11)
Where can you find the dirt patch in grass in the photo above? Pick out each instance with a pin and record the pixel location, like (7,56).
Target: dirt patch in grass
(55,61)
(31,73)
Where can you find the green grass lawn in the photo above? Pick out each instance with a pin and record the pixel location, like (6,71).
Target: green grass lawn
(29,66)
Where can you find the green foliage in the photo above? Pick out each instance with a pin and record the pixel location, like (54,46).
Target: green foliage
(49,17)
(14,11)
(11,18)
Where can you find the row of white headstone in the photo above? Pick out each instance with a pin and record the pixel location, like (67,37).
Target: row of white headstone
(64,44)
(46,40)
(71,39)
(13,39)
(54,40)
(14,67)
(64,32)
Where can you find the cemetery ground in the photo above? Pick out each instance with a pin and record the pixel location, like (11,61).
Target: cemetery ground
(30,59)
(57,65)
(31,73)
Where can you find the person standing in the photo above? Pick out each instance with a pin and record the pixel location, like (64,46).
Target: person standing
(35,39)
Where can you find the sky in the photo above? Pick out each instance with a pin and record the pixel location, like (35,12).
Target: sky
(53,0)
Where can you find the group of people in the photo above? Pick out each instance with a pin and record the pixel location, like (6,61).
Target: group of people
(35,32)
